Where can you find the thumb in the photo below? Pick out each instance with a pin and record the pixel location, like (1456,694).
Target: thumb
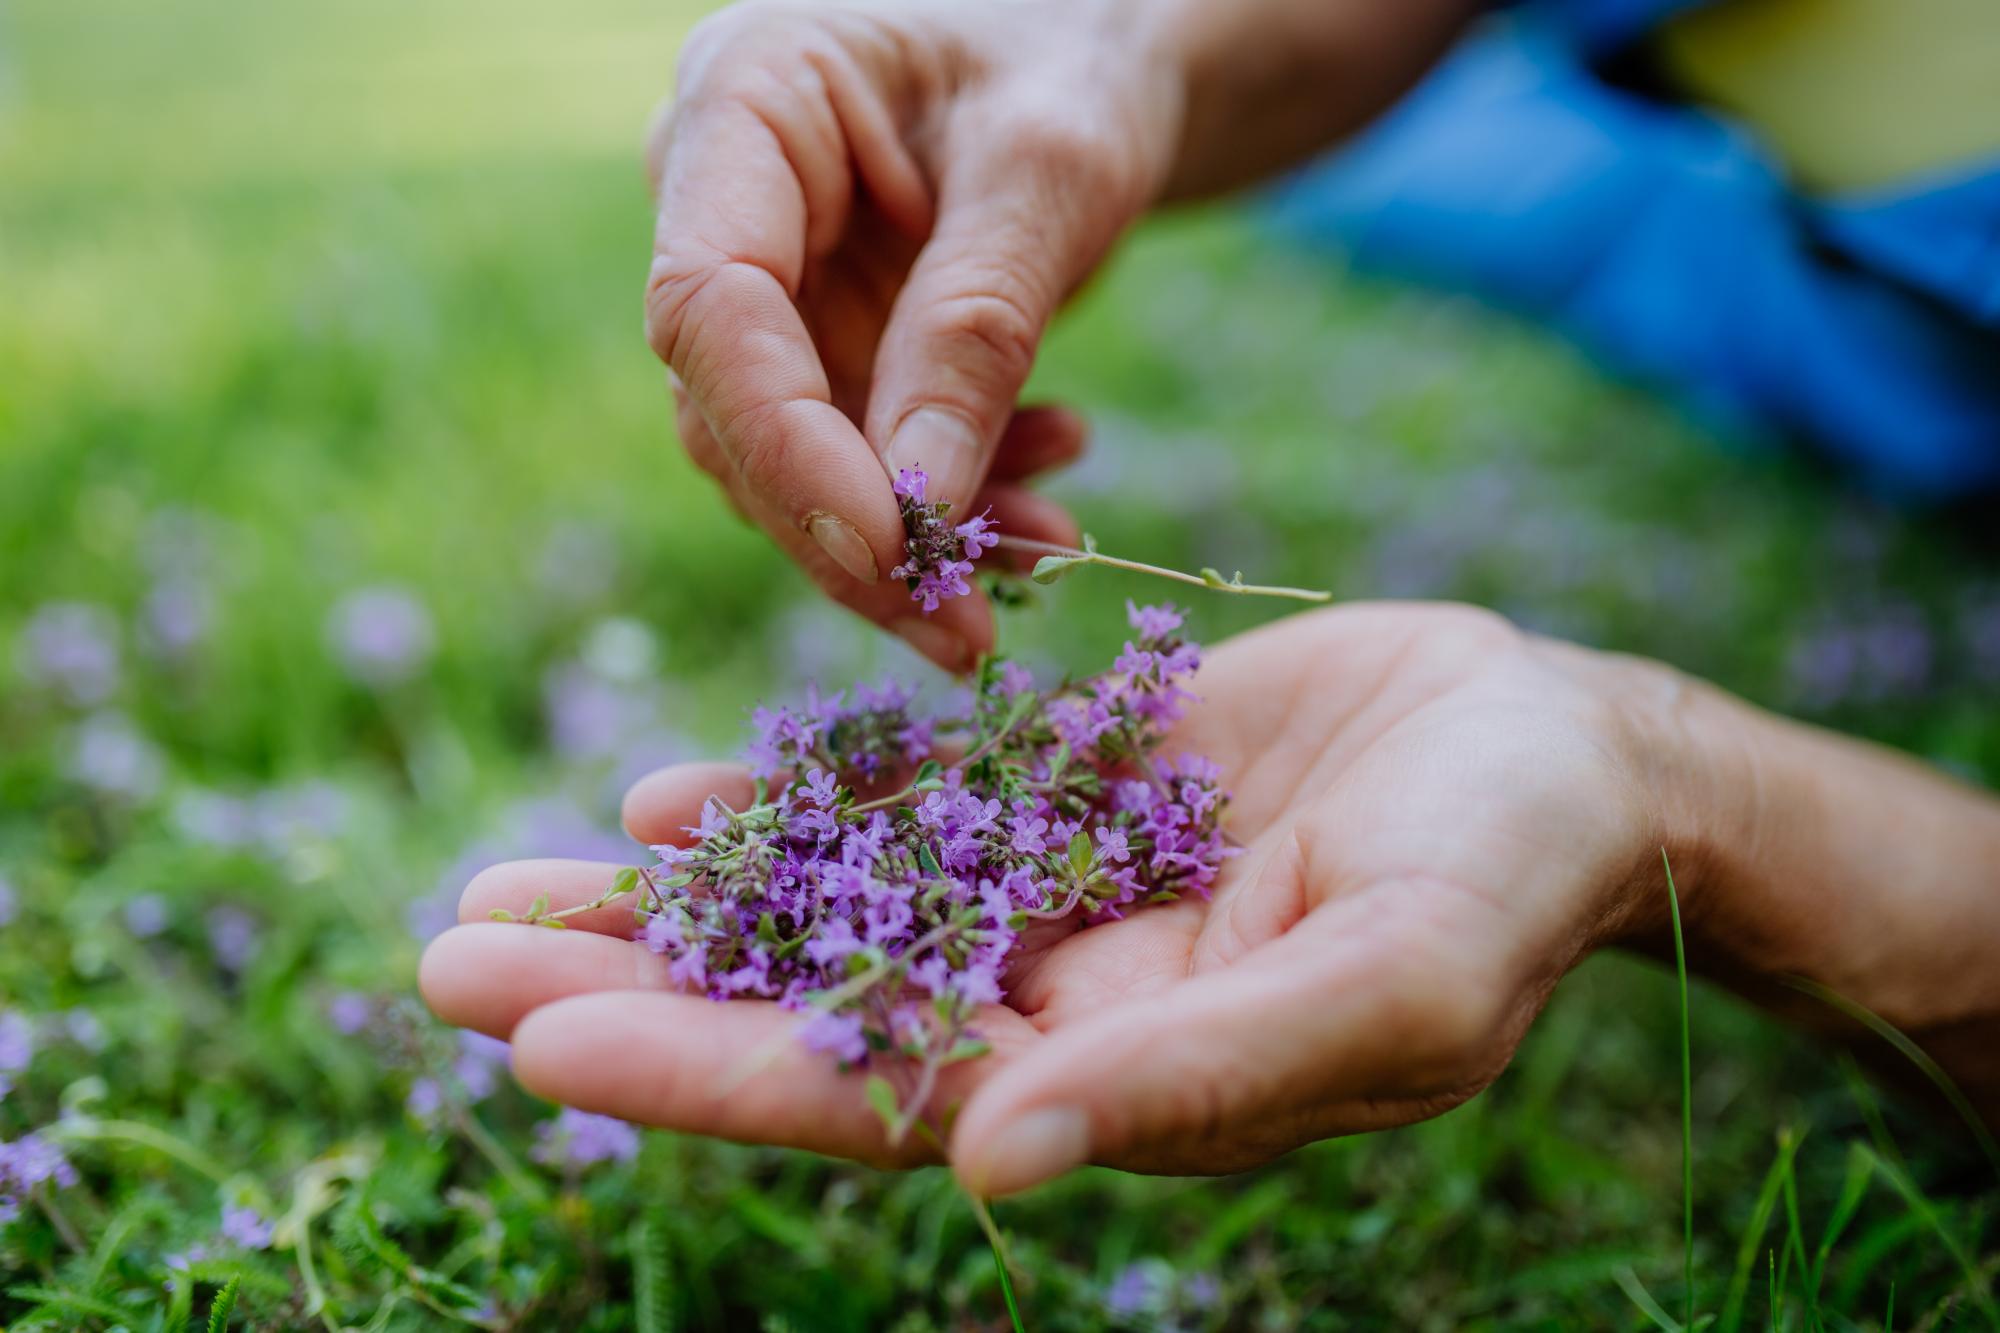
(1019,224)
(1226,1069)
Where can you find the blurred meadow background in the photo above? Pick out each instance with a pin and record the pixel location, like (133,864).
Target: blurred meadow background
(345,548)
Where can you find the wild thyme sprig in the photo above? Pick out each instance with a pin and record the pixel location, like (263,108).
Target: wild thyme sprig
(938,556)
(886,923)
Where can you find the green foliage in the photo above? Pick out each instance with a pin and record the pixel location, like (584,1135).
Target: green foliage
(351,290)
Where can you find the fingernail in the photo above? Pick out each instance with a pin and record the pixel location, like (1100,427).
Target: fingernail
(944,445)
(933,641)
(1039,1146)
(837,537)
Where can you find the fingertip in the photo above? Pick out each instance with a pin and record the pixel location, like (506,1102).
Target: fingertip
(1000,1156)
(659,808)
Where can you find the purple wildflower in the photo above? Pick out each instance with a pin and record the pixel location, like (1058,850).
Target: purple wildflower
(147,915)
(578,1139)
(71,648)
(17,1041)
(480,1060)
(33,1160)
(425,1101)
(938,557)
(10,902)
(176,617)
(111,757)
(381,636)
(350,1012)
(232,937)
(244,1226)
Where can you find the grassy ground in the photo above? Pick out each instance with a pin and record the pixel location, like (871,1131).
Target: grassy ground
(301,300)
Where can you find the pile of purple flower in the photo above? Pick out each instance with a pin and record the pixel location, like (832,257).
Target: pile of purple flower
(890,862)
(937,556)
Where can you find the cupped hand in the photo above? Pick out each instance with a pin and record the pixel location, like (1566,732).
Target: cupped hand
(1440,815)
(868,213)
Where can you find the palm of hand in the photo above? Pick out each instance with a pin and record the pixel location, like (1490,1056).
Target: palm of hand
(1435,825)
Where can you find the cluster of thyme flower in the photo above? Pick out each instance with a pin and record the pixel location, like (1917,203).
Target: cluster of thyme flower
(937,556)
(890,861)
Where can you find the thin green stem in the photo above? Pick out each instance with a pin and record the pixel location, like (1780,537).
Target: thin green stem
(146,1136)
(1058,560)
(981,1211)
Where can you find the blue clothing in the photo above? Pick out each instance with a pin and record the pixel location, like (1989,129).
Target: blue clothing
(1663,239)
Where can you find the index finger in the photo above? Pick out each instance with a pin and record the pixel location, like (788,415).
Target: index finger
(729,251)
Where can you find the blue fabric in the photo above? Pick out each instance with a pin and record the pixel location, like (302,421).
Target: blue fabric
(1662,239)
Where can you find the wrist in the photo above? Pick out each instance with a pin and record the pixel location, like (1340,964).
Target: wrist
(1798,854)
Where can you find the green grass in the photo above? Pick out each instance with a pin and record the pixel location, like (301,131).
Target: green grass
(354,289)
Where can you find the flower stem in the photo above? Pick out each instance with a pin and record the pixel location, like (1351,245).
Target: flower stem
(1058,560)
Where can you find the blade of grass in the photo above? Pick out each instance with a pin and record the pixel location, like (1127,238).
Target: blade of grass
(1977,1289)
(1912,1052)
(1753,1235)
(1795,1247)
(1628,1282)
(1860,1170)
(1687,1101)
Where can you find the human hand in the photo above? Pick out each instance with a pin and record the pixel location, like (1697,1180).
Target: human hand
(1440,816)
(868,213)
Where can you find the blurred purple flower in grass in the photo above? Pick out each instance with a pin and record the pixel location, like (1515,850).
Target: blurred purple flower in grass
(578,1139)
(176,617)
(543,827)
(350,1012)
(590,717)
(1131,1292)
(113,758)
(245,1226)
(10,903)
(72,648)
(147,915)
(1885,655)
(17,1042)
(480,1060)
(382,635)
(273,821)
(181,1260)
(1149,1290)
(84,1028)
(233,935)
(426,1100)
(33,1160)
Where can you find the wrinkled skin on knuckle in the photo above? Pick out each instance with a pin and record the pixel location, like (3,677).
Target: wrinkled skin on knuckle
(990,334)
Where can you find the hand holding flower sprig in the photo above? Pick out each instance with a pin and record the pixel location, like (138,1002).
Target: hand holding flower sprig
(888,920)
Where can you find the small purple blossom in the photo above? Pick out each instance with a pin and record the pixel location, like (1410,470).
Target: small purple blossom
(233,935)
(937,564)
(381,636)
(17,1041)
(425,1101)
(176,617)
(33,1160)
(479,1062)
(146,915)
(578,1139)
(245,1227)
(10,902)
(350,1012)
(71,648)
(113,758)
